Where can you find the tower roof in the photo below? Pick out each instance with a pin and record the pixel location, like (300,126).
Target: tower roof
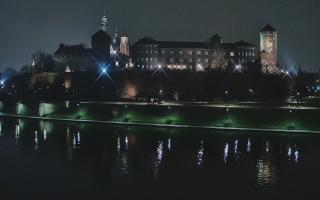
(268,28)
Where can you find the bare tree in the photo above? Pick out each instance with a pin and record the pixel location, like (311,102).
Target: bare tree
(218,60)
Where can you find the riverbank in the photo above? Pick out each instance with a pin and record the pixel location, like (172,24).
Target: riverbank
(248,117)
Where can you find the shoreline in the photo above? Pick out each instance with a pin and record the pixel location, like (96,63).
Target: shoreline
(242,129)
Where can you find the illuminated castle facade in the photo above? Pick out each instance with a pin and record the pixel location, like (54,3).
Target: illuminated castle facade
(269,49)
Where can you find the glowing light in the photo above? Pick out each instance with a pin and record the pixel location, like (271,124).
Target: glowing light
(169,144)
(117,63)
(199,68)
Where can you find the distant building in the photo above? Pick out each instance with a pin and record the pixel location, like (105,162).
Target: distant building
(80,58)
(269,49)
(149,54)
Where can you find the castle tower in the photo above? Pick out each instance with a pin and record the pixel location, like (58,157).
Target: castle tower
(104,22)
(269,49)
(124,45)
(115,47)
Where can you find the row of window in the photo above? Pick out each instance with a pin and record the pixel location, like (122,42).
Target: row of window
(172,60)
(232,54)
(189,52)
(171,52)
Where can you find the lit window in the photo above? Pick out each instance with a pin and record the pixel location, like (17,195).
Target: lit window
(151,59)
(190,53)
(163,52)
(231,53)
(180,52)
(206,60)
(198,52)
(199,60)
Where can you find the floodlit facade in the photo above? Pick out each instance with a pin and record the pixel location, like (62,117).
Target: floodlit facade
(269,49)
(149,54)
(124,45)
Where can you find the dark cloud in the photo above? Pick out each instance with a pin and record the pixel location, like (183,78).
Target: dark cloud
(27,26)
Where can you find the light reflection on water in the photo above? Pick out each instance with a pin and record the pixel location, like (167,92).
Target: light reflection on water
(158,160)
(155,156)
(200,154)
(226,152)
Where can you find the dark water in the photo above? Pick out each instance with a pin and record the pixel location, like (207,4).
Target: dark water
(55,160)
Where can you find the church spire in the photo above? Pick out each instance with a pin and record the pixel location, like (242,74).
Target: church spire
(104,22)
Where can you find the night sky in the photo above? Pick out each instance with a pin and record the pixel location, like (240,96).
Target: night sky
(30,25)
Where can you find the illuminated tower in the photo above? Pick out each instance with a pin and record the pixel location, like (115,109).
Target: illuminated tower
(269,49)
(104,22)
(124,45)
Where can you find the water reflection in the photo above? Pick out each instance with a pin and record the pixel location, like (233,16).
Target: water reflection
(127,142)
(200,154)
(249,146)
(124,156)
(226,152)
(36,140)
(158,160)
(296,156)
(158,157)
(76,140)
(265,173)
(17,133)
(267,146)
(118,145)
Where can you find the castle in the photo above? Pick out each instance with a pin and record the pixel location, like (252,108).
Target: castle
(150,54)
